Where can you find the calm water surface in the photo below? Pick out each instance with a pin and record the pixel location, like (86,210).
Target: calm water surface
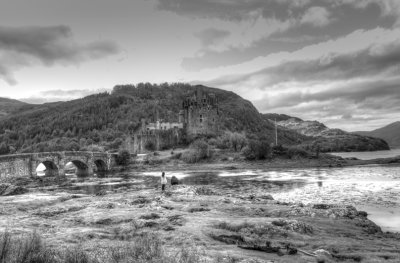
(369,155)
(374,188)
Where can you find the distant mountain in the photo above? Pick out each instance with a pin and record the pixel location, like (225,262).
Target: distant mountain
(279,117)
(8,106)
(329,140)
(390,133)
(109,119)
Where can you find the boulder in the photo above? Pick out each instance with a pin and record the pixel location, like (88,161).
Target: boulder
(174,180)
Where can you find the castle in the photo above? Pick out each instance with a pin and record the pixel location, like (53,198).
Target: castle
(199,116)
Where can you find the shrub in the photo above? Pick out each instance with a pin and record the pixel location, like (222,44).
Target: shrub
(257,150)
(293,152)
(150,146)
(27,248)
(123,157)
(198,150)
(190,157)
(222,142)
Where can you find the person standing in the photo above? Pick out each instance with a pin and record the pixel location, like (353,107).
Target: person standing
(163,181)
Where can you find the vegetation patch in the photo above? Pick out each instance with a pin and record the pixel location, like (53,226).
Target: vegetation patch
(57,211)
(198,209)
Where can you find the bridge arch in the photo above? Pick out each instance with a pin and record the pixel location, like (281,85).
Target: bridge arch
(100,167)
(50,170)
(82,169)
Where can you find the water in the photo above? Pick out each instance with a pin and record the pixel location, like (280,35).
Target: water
(369,155)
(373,188)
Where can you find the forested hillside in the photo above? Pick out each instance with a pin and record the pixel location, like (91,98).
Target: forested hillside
(8,106)
(104,121)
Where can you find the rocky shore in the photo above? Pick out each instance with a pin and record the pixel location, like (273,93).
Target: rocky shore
(217,224)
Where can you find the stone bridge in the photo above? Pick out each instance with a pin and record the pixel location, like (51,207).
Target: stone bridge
(87,163)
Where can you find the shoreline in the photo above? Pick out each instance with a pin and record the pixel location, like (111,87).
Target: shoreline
(277,163)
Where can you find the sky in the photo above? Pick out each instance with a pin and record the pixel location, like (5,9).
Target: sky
(337,62)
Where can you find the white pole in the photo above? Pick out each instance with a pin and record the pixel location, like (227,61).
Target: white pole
(276,134)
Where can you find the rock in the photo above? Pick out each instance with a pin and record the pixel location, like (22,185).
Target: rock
(321,206)
(9,189)
(322,255)
(174,180)
(294,225)
(368,226)
(362,213)
(150,224)
(266,197)
(346,211)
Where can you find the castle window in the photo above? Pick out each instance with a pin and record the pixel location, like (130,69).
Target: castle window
(201,118)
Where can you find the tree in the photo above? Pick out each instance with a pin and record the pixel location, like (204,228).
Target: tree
(237,141)
(4,149)
(123,157)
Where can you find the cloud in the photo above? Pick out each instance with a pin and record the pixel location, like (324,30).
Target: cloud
(356,75)
(316,16)
(360,54)
(211,36)
(60,95)
(24,46)
(235,10)
(388,7)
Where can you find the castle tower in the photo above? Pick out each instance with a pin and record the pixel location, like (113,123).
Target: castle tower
(201,114)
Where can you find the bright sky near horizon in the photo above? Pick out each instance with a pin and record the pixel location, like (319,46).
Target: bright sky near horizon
(335,61)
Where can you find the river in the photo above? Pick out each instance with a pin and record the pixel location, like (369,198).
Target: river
(371,188)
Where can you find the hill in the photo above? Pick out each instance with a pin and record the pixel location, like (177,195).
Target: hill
(390,133)
(109,120)
(329,140)
(8,106)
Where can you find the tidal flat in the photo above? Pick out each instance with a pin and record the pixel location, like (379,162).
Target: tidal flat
(201,221)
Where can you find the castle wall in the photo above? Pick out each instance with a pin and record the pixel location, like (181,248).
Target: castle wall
(158,139)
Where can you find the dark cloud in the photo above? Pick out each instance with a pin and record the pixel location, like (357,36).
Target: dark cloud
(211,36)
(374,60)
(22,46)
